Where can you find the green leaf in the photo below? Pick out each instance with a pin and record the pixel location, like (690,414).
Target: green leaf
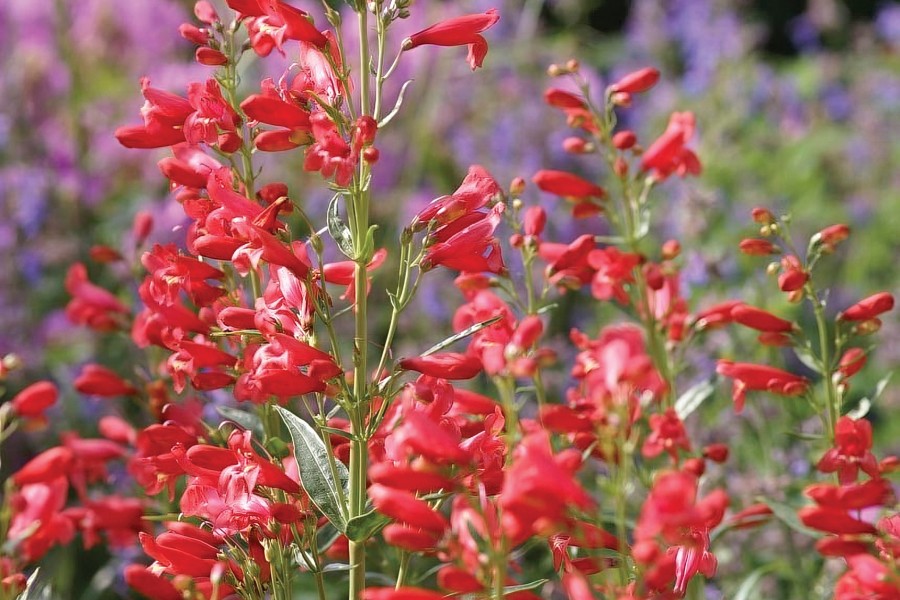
(787,514)
(510,589)
(462,334)
(809,359)
(243,419)
(752,580)
(691,400)
(316,469)
(34,590)
(861,410)
(339,231)
(361,528)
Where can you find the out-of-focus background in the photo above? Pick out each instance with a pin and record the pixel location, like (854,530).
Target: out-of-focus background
(797,104)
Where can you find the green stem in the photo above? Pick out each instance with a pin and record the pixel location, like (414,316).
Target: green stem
(359,226)
(832,410)
(403,570)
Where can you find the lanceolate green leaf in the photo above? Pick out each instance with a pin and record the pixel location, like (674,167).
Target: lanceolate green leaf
(691,400)
(326,488)
(338,229)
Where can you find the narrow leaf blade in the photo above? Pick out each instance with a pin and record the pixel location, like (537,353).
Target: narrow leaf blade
(315,469)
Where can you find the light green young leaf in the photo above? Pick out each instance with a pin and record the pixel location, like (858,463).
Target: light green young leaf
(691,400)
(315,470)
(338,229)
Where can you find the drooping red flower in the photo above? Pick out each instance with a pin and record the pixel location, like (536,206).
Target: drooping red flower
(868,308)
(669,153)
(748,376)
(458,31)
(667,434)
(448,365)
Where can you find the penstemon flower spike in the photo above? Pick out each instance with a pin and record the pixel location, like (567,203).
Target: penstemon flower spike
(290,440)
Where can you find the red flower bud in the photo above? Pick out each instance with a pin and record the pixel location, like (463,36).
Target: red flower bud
(562,99)
(535,220)
(193,34)
(671,249)
(758,247)
(576,145)
(852,361)
(636,82)
(624,140)
(210,57)
(716,452)
(763,216)
(447,365)
(563,183)
(35,399)
(868,308)
(832,236)
(757,318)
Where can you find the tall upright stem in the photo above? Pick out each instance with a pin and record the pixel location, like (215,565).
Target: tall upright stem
(359,405)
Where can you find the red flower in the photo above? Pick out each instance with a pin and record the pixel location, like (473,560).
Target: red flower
(406,508)
(31,402)
(749,376)
(636,82)
(97,380)
(448,365)
(669,154)
(458,31)
(852,451)
(667,434)
(868,308)
(562,183)
(91,305)
(472,249)
(760,320)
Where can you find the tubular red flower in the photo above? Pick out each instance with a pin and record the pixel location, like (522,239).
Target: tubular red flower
(458,31)
(447,365)
(35,399)
(406,508)
(97,380)
(636,82)
(562,183)
(748,376)
(759,319)
(868,308)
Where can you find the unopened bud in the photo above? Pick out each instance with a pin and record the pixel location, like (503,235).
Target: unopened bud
(696,466)
(535,220)
(555,70)
(757,247)
(193,34)
(868,327)
(210,57)
(516,240)
(205,12)
(577,145)
(622,99)
(572,65)
(624,140)
(141,227)
(230,142)
(763,216)
(654,276)
(671,249)
(104,254)
(773,268)
(370,155)
(620,167)
(517,187)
